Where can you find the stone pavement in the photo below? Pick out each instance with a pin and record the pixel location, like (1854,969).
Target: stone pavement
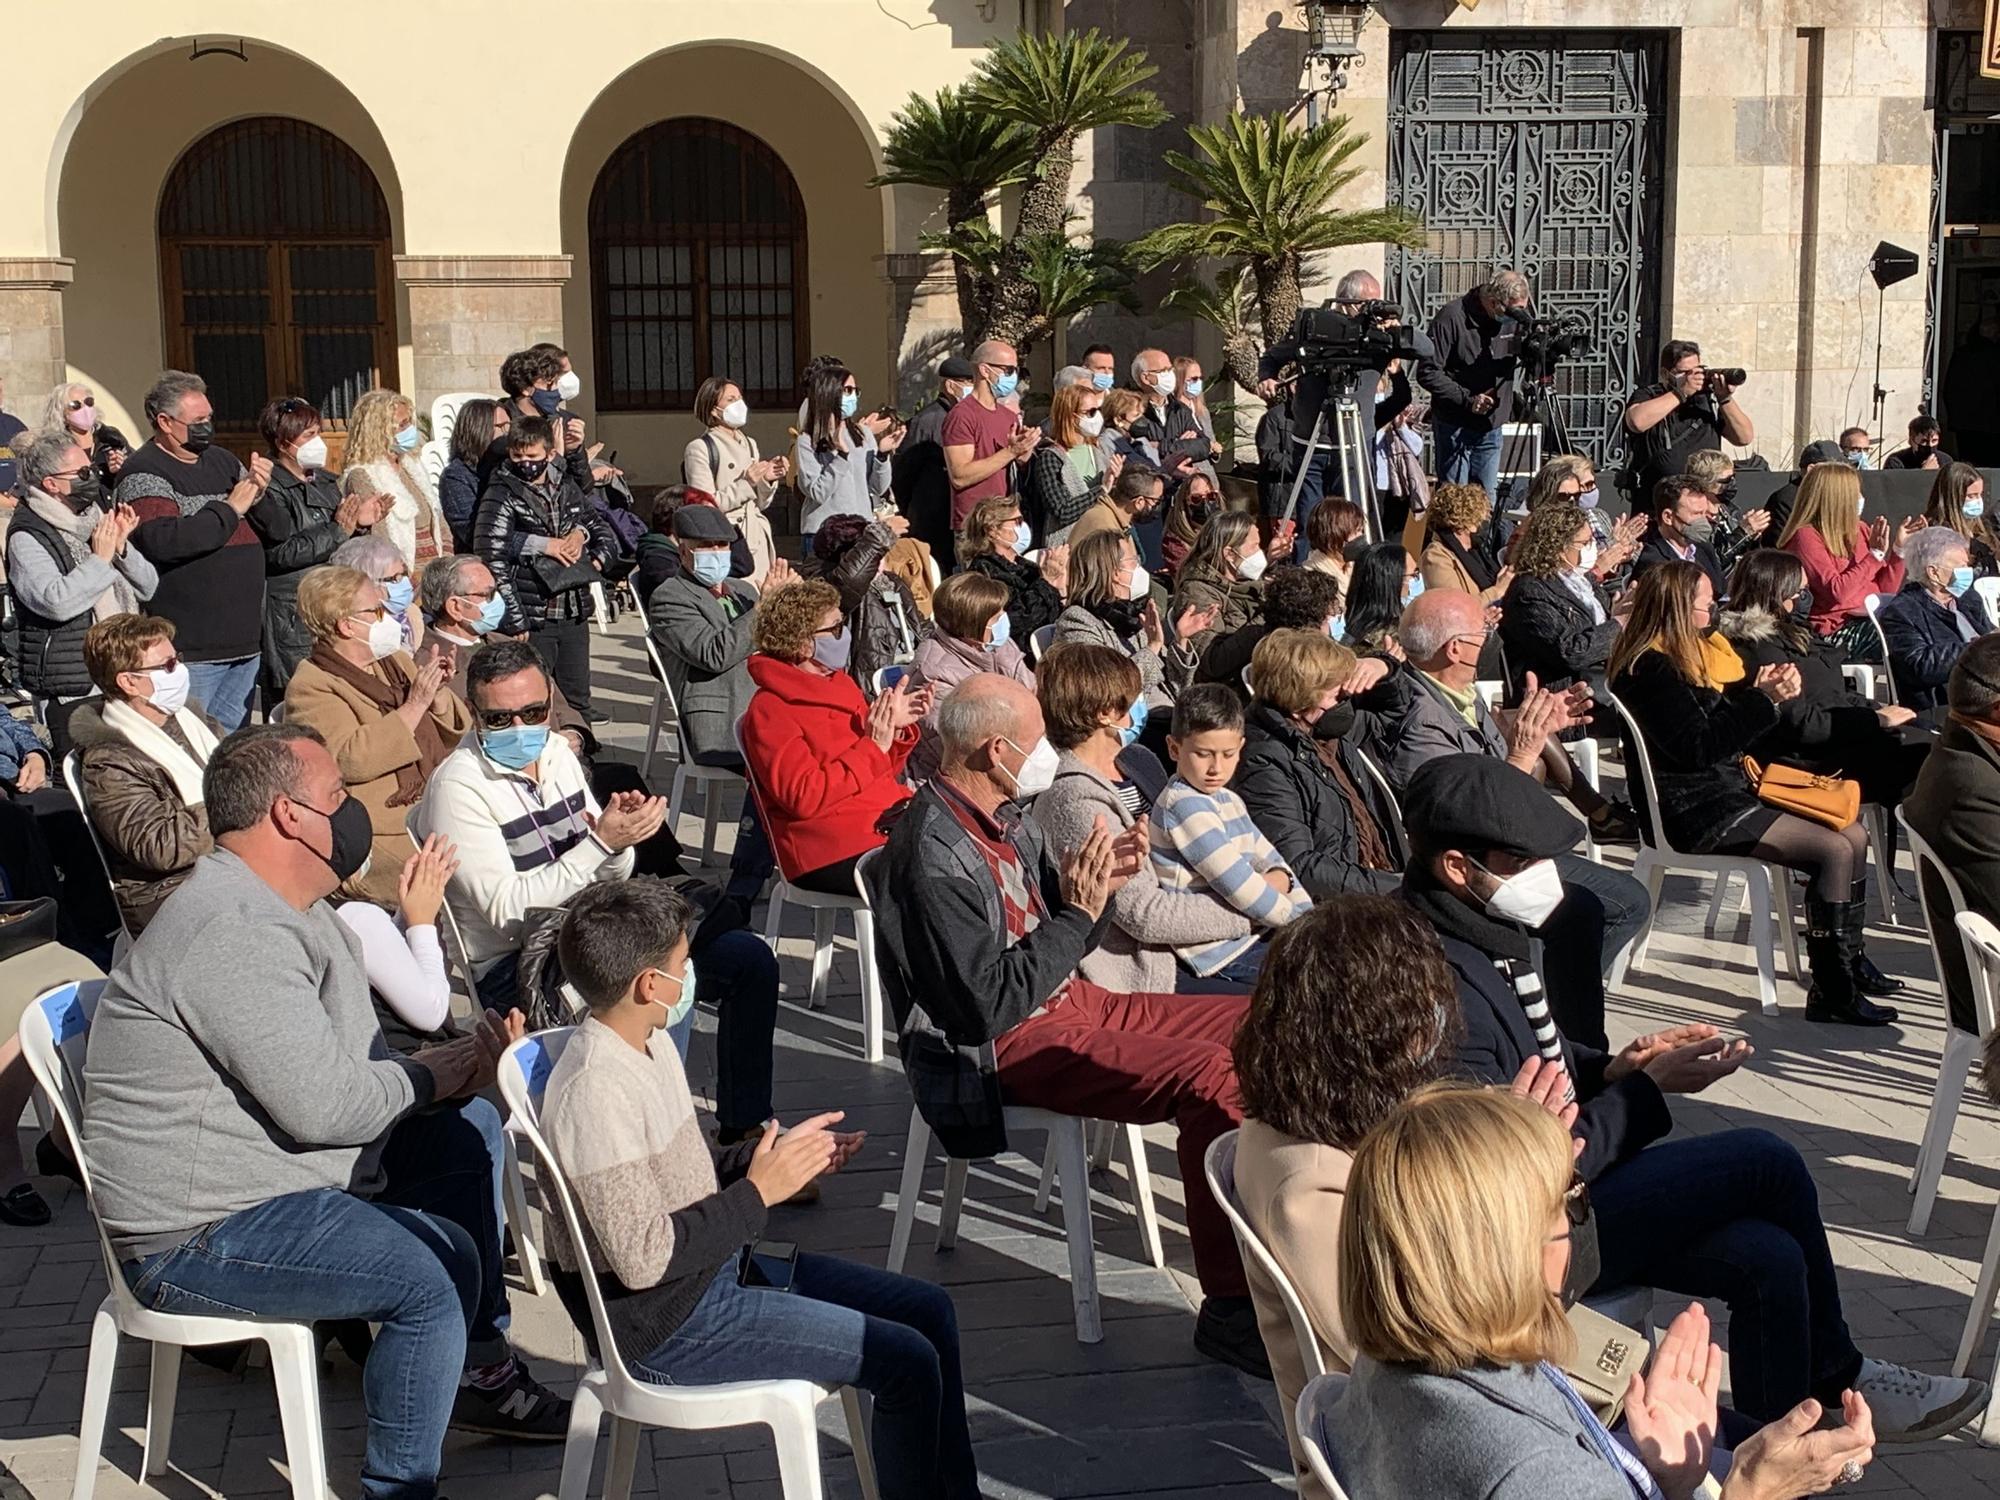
(1140,1413)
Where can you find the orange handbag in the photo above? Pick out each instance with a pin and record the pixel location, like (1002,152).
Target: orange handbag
(1831,800)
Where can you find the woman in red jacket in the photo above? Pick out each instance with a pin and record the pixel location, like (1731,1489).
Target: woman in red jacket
(1845,562)
(825,762)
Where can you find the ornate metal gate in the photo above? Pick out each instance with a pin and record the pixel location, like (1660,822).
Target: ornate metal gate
(1545,151)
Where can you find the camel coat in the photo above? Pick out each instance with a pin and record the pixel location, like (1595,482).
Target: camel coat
(371,746)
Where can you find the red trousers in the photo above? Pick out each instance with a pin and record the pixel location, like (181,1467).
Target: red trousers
(1140,1059)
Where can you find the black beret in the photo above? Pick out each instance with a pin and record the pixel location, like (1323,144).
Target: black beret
(1476,803)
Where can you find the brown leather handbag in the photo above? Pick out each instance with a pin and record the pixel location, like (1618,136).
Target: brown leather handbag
(1832,800)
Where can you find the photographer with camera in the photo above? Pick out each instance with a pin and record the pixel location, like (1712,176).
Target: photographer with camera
(1689,408)
(1471,378)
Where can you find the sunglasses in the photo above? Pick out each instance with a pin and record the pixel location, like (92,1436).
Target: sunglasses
(1576,1202)
(171,664)
(501,718)
(80,405)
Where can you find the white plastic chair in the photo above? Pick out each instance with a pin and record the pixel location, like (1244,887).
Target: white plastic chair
(936,571)
(608,1388)
(54,1031)
(1874,604)
(1656,859)
(825,907)
(1960,1047)
(72,775)
(711,779)
(1491,692)
(1860,677)
(1380,778)
(444,415)
(1988,590)
(1982,953)
(1321,1392)
(1039,642)
(432,458)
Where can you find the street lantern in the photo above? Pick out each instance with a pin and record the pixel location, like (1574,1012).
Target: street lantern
(1333,41)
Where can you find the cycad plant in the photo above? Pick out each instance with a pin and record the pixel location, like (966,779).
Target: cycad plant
(1268,190)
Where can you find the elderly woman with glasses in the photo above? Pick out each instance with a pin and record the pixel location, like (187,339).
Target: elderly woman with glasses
(388,721)
(382,560)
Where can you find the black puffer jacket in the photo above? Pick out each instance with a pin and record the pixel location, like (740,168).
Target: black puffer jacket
(295,523)
(1925,642)
(1696,738)
(1548,631)
(536,587)
(1298,805)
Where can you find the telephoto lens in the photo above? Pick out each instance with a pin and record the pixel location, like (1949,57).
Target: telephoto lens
(1733,376)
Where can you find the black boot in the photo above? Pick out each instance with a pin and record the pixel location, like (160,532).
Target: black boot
(1833,938)
(1867,978)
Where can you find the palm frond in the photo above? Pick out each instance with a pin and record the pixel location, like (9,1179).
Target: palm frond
(1059,86)
(952,145)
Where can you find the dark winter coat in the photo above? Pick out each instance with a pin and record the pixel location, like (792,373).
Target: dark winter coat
(51,651)
(1925,642)
(295,523)
(1298,805)
(536,587)
(1696,738)
(1547,631)
(1032,601)
(881,611)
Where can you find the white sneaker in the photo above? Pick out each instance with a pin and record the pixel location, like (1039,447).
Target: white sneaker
(1911,1407)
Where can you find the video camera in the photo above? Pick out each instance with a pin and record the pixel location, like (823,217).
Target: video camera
(1367,339)
(1545,340)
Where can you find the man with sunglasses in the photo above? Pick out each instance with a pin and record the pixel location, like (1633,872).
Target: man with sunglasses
(1732,1214)
(983,437)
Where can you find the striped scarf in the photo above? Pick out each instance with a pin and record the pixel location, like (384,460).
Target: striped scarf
(1535,1005)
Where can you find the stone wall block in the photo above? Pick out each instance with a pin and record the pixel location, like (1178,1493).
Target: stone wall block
(1769,132)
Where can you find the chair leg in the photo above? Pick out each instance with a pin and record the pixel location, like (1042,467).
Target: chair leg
(514,1198)
(1073,1167)
(1652,875)
(711,819)
(871,985)
(295,1373)
(1935,1149)
(96,1399)
(677,796)
(1760,933)
(1876,820)
(1142,1196)
(855,1405)
(916,1150)
(652,734)
(162,1390)
(622,1459)
(796,1435)
(1046,1187)
(1981,1310)
(1788,923)
(586,1410)
(1716,902)
(1104,1137)
(774,914)
(822,970)
(956,1169)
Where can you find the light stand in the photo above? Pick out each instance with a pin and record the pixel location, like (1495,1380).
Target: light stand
(1889,265)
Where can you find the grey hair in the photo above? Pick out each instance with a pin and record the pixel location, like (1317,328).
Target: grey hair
(169,391)
(376,556)
(1358,286)
(1072,375)
(971,716)
(1139,371)
(444,578)
(249,771)
(1927,549)
(1427,622)
(45,454)
(55,411)
(1505,287)
(1975,680)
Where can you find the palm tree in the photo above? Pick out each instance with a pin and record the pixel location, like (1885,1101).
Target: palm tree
(1068,275)
(1268,190)
(1221,305)
(966,153)
(1054,88)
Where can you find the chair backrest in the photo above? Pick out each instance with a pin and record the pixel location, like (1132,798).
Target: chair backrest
(936,570)
(432,458)
(666,686)
(55,1032)
(756,795)
(1640,768)
(1218,1165)
(456,954)
(444,416)
(1982,961)
(1381,781)
(1491,693)
(1040,641)
(1922,854)
(1874,604)
(72,775)
(1315,1401)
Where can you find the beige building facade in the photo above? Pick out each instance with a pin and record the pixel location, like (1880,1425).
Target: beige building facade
(671,189)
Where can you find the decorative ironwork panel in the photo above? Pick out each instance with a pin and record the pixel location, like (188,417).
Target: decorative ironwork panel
(1545,151)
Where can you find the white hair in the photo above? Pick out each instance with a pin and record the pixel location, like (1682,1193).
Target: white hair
(1139,370)
(1928,549)
(972,715)
(1427,622)
(376,556)
(1072,375)
(1358,286)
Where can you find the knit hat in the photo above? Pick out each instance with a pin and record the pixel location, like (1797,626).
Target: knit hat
(1477,803)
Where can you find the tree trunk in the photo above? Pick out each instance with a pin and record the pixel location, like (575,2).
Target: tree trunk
(964,205)
(1044,204)
(1278,296)
(1239,357)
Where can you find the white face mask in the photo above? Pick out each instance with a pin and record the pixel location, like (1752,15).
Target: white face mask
(1164,382)
(1038,771)
(1528,897)
(1091,424)
(170,687)
(569,385)
(736,413)
(1142,584)
(311,454)
(1252,567)
(1586,559)
(385,637)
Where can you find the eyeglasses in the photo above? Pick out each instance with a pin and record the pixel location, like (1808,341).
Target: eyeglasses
(379,612)
(1005,369)
(1576,1202)
(501,718)
(171,664)
(836,631)
(80,405)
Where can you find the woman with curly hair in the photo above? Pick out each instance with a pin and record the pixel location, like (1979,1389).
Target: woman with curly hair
(1958,501)
(823,761)
(1355,1010)
(1556,622)
(1458,546)
(381,459)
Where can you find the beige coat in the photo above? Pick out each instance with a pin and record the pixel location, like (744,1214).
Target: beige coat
(1442,570)
(738,496)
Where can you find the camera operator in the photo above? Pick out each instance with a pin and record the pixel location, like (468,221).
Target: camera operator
(1471,378)
(1381,394)
(1689,408)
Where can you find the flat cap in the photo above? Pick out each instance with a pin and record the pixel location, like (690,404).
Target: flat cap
(1478,802)
(702,523)
(1825,451)
(956,368)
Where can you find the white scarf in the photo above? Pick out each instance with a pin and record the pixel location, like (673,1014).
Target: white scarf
(76,527)
(153,742)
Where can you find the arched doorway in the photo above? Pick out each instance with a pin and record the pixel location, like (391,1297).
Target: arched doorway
(275,271)
(698,267)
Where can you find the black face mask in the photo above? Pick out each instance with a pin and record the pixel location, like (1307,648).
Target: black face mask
(1802,603)
(353,837)
(85,491)
(1335,722)
(530,469)
(1585,1264)
(200,435)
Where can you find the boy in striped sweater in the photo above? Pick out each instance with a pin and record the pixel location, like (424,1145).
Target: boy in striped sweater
(1203,839)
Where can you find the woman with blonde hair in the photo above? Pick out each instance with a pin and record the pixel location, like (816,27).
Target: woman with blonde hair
(1457,549)
(1845,561)
(1455,1254)
(72,409)
(1067,474)
(1700,711)
(381,459)
(1958,502)
(991,542)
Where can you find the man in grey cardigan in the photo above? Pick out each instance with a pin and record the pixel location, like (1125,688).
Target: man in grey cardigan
(255,1144)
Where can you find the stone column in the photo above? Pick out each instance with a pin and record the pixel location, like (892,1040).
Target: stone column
(469,312)
(31,328)
(923,322)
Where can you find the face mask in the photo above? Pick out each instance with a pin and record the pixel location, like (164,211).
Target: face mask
(832,651)
(1038,770)
(1142,584)
(569,385)
(1412,586)
(677,1012)
(385,637)
(1337,627)
(1698,531)
(1585,1262)
(491,613)
(170,687)
(1006,385)
(516,747)
(1975,507)
(1091,425)
(530,469)
(1587,500)
(850,403)
(1335,723)
(711,567)
(546,401)
(1252,567)
(401,593)
(1586,559)
(83,419)
(84,490)
(736,414)
(311,454)
(353,838)
(1194,386)
(1529,897)
(1859,458)
(409,438)
(1802,602)
(200,435)
(1131,732)
(1961,580)
(1101,380)
(1164,382)
(1003,631)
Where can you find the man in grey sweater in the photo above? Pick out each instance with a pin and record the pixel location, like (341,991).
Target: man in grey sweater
(256,1146)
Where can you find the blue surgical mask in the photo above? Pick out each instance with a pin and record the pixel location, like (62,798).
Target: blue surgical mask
(516,747)
(401,592)
(1006,385)
(1101,380)
(546,401)
(1024,536)
(850,403)
(1337,626)
(491,613)
(409,438)
(1412,586)
(1193,387)
(1131,732)
(677,1012)
(711,567)
(1003,631)
(1961,580)
(1975,507)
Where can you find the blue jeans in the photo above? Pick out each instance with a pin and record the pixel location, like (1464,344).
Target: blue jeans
(224,689)
(422,1260)
(1237,977)
(1602,911)
(1468,455)
(1735,1215)
(842,1323)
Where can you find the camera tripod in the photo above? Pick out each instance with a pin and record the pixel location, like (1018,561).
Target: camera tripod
(1355,449)
(1535,403)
